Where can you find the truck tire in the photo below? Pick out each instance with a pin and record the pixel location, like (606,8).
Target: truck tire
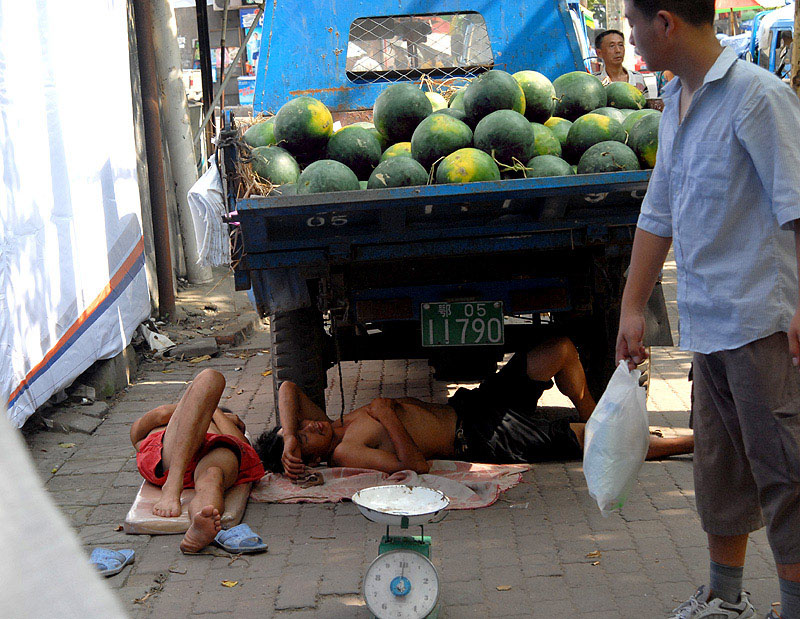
(602,345)
(298,352)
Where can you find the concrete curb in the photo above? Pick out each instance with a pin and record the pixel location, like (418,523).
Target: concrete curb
(239,331)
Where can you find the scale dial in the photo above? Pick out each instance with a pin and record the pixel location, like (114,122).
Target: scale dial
(401,584)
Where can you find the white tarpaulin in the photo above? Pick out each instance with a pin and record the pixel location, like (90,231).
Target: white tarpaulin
(72,279)
(769,19)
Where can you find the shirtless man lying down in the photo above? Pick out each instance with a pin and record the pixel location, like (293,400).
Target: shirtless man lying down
(195,444)
(495,423)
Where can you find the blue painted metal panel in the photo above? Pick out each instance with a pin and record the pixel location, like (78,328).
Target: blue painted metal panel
(491,290)
(304,45)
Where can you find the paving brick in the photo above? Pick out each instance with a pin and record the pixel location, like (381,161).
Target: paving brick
(343,580)
(296,591)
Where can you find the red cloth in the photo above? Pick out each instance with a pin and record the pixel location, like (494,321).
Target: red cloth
(148,459)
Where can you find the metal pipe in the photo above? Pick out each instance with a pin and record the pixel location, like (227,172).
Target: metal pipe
(795,81)
(177,130)
(201,10)
(229,74)
(143,19)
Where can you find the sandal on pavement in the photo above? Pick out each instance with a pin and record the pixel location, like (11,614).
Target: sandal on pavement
(240,540)
(111,562)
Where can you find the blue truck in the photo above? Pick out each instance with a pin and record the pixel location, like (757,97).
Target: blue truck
(456,274)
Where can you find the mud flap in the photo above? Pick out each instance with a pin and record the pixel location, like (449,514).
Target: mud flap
(279,290)
(657,330)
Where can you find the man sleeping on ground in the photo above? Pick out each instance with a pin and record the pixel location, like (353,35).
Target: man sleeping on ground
(495,423)
(195,444)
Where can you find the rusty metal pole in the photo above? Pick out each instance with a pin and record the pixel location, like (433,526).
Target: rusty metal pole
(795,81)
(143,19)
(201,10)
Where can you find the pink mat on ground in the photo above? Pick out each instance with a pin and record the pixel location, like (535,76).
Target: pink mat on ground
(467,485)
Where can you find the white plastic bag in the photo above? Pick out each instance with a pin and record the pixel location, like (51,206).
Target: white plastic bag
(616,440)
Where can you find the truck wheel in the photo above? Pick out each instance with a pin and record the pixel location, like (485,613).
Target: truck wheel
(602,340)
(600,366)
(298,352)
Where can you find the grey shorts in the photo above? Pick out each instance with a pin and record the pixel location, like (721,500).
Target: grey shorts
(746,412)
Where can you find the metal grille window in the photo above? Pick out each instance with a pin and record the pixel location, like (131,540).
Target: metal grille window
(408,47)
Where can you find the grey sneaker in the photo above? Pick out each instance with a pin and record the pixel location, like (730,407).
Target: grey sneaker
(700,607)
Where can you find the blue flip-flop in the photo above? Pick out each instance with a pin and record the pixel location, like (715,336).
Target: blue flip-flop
(240,540)
(110,562)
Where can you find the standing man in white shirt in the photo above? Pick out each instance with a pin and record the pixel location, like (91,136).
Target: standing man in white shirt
(610,46)
(725,194)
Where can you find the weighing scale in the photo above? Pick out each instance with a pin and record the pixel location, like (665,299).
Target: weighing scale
(402,583)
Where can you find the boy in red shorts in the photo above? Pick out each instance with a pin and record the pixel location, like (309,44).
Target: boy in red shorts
(195,444)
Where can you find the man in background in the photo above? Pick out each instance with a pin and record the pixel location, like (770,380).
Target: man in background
(610,45)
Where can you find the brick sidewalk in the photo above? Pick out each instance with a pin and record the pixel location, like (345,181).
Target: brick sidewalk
(537,539)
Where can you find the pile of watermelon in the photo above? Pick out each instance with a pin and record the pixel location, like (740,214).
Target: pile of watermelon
(498,126)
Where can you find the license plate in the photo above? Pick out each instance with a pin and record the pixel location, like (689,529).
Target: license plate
(472,323)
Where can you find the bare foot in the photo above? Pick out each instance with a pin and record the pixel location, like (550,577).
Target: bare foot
(169,505)
(205,525)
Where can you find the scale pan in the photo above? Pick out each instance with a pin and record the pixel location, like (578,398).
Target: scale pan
(391,504)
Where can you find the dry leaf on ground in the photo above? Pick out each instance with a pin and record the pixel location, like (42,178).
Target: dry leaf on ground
(199,359)
(229,583)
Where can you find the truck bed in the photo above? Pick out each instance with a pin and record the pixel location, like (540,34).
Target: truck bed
(441,220)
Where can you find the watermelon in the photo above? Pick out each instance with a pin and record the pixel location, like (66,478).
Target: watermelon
(492,91)
(546,143)
(397,172)
(274,164)
(578,93)
(457,100)
(454,112)
(547,165)
(590,129)
(289,189)
(625,96)
(560,128)
(643,139)
(467,165)
(635,116)
(401,149)
(540,96)
(261,133)
(506,135)
(437,136)
(357,148)
(438,102)
(363,184)
(611,112)
(608,156)
(303,126)
(398,110)
(371,128)
(326,175)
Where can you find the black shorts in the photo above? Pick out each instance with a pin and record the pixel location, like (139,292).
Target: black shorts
(497,422)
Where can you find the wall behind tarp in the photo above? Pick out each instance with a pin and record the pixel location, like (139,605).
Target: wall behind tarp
(72,279)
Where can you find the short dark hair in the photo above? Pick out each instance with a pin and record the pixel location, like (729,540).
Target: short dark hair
(269,447)
(695,12)
(598,40)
